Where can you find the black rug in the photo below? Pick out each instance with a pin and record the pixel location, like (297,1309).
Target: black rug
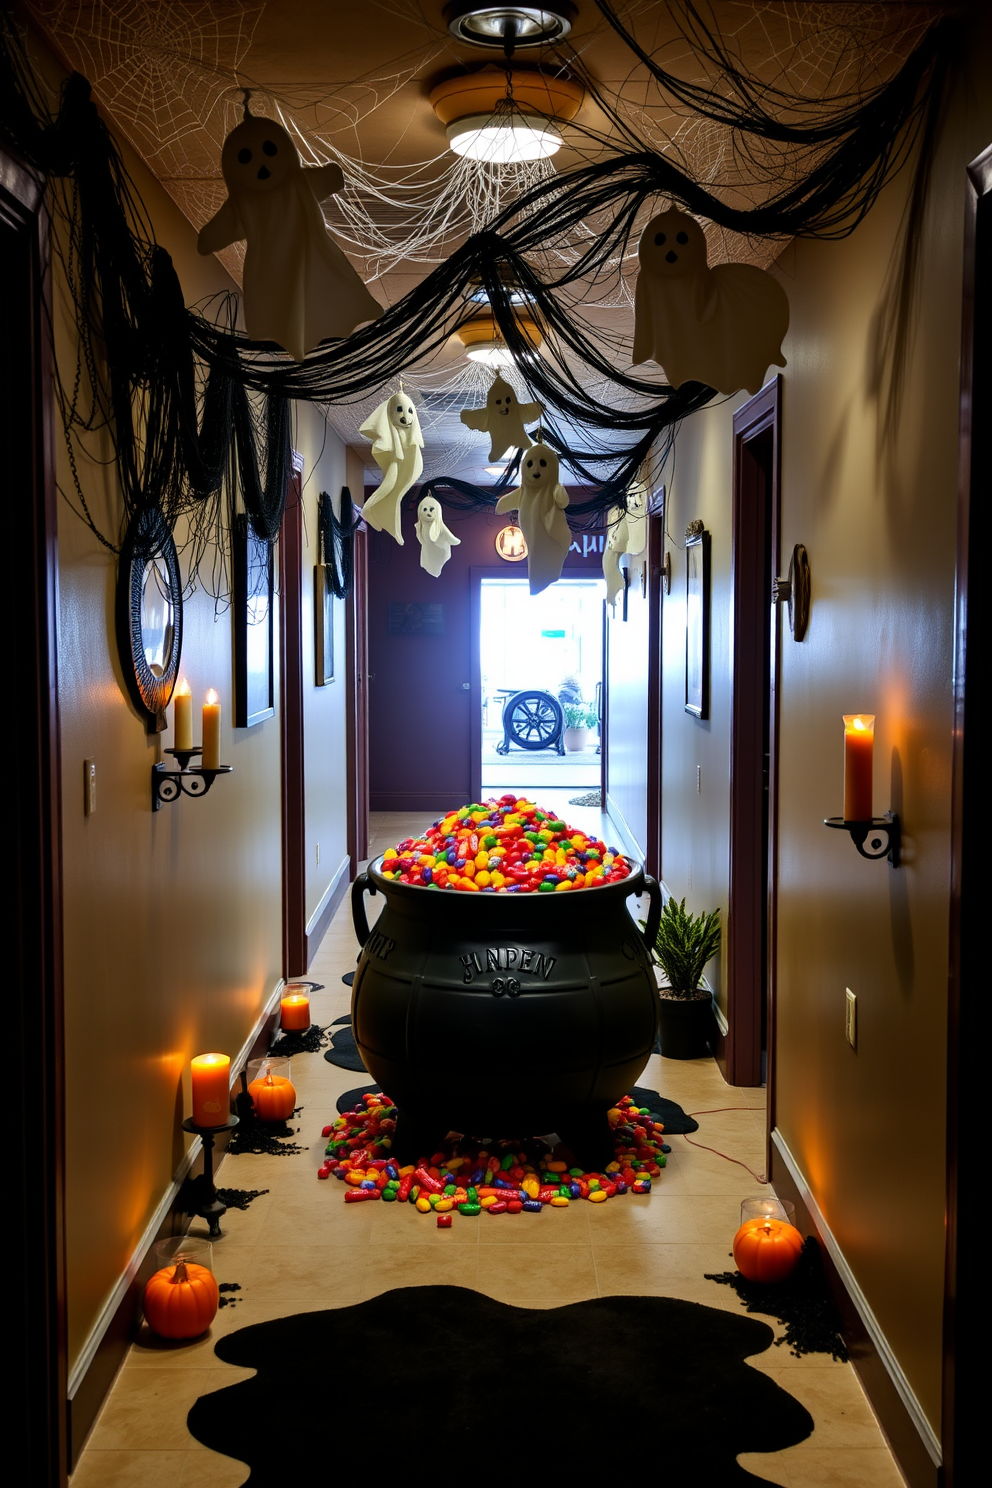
(672,1117)
(349,978)
(618,1381)
(344,1051)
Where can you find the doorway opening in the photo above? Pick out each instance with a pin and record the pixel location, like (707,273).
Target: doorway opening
(541,669)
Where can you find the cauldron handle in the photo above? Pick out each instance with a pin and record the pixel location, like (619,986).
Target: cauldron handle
(362,885)
(653,890)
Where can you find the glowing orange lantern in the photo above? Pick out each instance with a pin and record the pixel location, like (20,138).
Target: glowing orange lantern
(272,1092)
(767,1249)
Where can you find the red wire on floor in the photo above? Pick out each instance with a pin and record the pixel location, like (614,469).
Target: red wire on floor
(715,1110)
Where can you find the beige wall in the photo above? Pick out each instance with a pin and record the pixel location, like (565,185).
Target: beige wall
(172,921)
(878,519)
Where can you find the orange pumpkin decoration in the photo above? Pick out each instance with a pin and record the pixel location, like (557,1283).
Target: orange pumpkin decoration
(767,1249)
(181,1301)
(273,1096)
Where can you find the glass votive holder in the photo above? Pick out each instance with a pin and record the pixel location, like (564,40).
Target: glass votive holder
(188,1248)
(768,1207)
(272,1092)
(294,1007)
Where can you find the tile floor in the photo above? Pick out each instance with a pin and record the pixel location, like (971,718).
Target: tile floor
(300,1247)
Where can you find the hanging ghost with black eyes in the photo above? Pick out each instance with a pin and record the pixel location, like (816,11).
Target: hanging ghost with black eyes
(722,326)
(299,289)
(433,536)
(394,430)
(503,418)
(541,501)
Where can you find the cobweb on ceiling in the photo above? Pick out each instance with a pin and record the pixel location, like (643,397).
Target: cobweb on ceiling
(172,75)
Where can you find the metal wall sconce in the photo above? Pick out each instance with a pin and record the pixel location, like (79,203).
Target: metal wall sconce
(795,591)
(882,834)
(169,785)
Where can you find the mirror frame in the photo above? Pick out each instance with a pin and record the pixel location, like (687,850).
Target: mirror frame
(147,537)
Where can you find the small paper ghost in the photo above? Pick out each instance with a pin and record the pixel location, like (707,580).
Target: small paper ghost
(299,288)
(503,418)
(541,502)
(394,430)
(435,540)
(721,326)
(616,543)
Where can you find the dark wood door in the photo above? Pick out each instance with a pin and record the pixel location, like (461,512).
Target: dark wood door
(37,1434)
(356,614)
(294,872)
(750,910)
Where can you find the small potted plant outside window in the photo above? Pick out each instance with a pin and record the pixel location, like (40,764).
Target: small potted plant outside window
(684,944)
(580,718)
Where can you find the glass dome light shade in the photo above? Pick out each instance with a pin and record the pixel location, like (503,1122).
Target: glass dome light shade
(503,141)
(491,354)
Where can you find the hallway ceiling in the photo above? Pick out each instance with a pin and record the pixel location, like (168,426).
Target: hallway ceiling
(351,80)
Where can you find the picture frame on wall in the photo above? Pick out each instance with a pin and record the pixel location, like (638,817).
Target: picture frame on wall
(697,585)
(323,624)
(254,657)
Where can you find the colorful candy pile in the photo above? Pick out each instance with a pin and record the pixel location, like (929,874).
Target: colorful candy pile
(508,1179)
(509,846)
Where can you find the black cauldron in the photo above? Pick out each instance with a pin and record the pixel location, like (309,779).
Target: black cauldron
(504,1015)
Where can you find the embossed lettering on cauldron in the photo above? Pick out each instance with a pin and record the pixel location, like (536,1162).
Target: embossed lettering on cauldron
(504,1015)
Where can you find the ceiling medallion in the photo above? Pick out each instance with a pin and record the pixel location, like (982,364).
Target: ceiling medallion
(509,26)
(483,341)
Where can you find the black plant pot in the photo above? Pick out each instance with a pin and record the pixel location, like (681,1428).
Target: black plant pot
(505,1014)
(686,1026)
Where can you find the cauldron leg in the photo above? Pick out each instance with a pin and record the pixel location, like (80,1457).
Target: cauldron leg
(415,1137)
(590,1141)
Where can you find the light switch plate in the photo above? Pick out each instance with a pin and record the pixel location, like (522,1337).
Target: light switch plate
(851,1017)
(89,786)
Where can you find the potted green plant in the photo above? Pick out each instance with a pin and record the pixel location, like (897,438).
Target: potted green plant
(579,718)
(684,944)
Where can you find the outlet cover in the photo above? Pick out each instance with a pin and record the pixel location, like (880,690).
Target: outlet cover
(89,786)
(851,1018)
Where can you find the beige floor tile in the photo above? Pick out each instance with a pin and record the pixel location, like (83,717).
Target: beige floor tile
(100,1468)
(205,1469)
(571,1226)
(717,1216)
(807,1466)
(633,1220)
(837,1403)
(146,1410)
(648,1270)
(550,1272)
(402,1264)
(403,1224)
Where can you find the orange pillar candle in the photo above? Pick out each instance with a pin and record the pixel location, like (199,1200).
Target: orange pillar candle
(210,758)
(211,1083)
(182,716)
(295,1010)
(859,745)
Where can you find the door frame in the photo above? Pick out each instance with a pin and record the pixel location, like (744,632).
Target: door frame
(294,862)
(37,1211)
(962,1415)
(755,643)
(357,703)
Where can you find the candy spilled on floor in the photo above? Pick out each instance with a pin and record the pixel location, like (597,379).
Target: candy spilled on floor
(467,1177)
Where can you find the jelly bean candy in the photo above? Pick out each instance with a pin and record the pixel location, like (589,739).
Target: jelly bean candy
(423,1204)
(444,1221)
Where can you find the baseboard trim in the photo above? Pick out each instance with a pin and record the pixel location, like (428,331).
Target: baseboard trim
(322,916)
(627,839)
(111,1335)
(913,1440)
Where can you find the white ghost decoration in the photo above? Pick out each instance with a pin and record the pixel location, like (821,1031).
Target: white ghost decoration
(721,326)
(503,418)
(541,501)
(299,288)
(433,536)
(616,543)
(394,430)
(637,519)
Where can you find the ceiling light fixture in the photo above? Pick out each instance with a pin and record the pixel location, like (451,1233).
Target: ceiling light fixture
(504,116)
(509,26)
(483,340)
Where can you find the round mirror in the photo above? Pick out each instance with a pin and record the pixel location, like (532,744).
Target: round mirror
(149,615)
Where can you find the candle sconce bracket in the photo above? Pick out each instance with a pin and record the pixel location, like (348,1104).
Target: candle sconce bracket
(169,785)
(794,591)
(881,837)
(202,1197)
